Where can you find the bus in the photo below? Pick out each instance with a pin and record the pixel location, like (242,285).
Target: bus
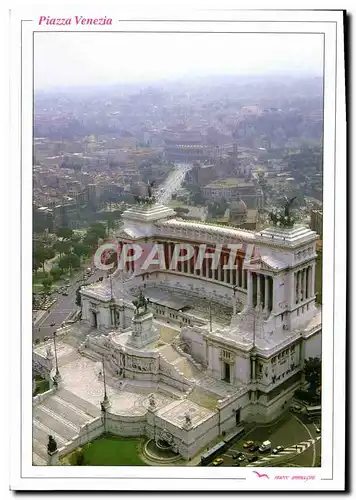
(209,455)
(234,436)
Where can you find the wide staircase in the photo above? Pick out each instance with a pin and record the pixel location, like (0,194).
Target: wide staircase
(61,416)
(183,365)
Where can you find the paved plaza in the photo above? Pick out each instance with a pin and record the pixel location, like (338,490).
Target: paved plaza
(82,377)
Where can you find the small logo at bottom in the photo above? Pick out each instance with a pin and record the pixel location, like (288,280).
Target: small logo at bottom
(260,475)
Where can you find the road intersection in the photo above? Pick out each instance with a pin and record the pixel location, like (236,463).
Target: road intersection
(302,444)
(62,309)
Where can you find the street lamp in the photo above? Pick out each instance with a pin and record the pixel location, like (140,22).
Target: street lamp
(57,375)
(106,402)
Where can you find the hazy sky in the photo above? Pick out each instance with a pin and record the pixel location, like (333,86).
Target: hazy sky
(66,59)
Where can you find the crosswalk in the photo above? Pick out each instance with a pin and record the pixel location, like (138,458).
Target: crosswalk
(297,448)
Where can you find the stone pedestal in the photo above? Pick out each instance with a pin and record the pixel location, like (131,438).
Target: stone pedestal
(143,331)
(52,458)
(105,403)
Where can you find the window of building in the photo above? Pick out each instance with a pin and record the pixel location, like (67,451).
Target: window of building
(226,354)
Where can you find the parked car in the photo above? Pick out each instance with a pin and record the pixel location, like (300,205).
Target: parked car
(242,458)
(65,294)
(296,408)
(46,338)
(265,446)
(237,455)
(236,464)
(218,461)
(254,458)
(277,450)
(317,430)
(247,444)
(254,447)
(52,324)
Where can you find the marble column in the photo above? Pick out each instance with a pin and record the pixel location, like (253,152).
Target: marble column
(275,284)
(304,283)
(243,283)
(309,282)
(253,375)
(295,278)
(219,270)
(249,289)
(195,259)
(300,286)
(266,308)
(312,280)
(224,271)
(169,254)
(258,296)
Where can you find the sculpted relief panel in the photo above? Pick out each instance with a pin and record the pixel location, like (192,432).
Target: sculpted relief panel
(140,364)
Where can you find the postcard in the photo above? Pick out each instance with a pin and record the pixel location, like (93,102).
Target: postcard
(183,249)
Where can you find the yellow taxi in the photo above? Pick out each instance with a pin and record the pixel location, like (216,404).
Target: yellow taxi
(218,461)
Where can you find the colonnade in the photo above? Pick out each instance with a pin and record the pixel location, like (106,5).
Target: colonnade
(304,284)
(260,291)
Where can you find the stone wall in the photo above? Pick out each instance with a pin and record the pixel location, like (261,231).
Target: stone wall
(125,425)
(88,432)
(312,348)
(36,400)
(42,365)
(227,411)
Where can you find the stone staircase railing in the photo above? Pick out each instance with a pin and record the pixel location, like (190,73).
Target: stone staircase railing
(175,377)
(36,400)
(176,344)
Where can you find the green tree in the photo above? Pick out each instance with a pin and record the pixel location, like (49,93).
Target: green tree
(75,238)
(69,261)
(65,233)
(64,263)
(312,373)
(41,254)
(74,261)
(47,283)
(63,247)
(95,231)
(81,249)
(56,273)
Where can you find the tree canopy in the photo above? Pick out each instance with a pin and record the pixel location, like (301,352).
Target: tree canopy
(312,373)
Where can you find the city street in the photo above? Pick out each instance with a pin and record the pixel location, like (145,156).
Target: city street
(62,308)
(172,183)
(300,440)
